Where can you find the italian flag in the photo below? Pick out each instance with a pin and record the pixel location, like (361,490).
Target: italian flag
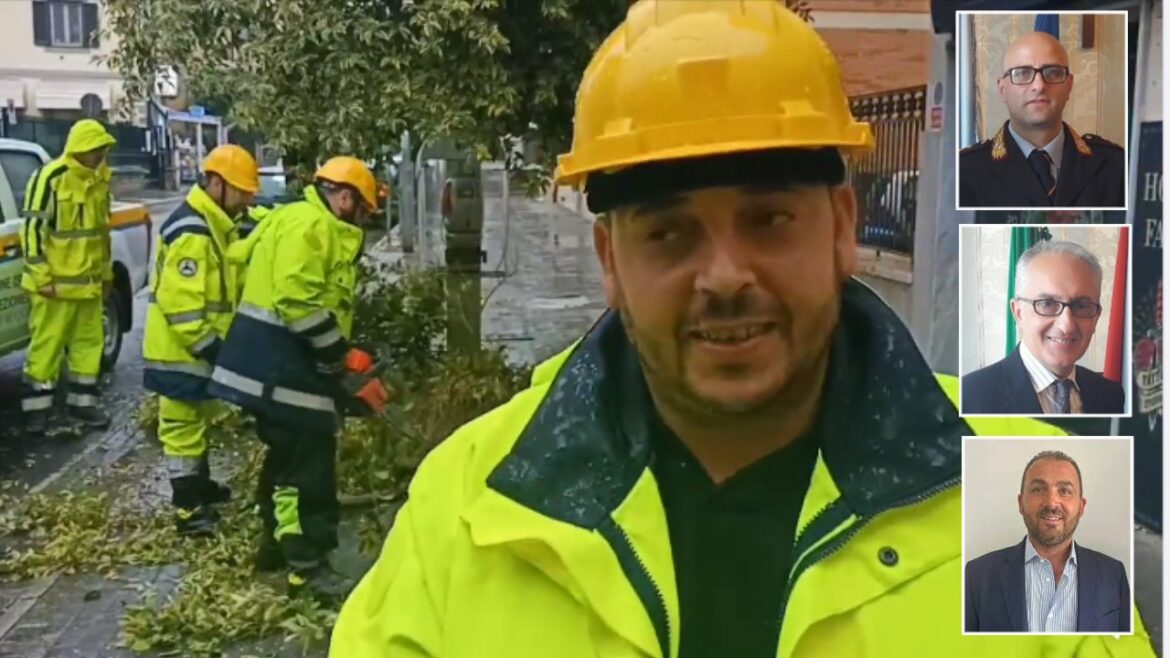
(1115,340)
(1022,238)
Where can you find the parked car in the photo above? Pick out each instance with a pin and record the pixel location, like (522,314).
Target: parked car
(273,187)
(131,245)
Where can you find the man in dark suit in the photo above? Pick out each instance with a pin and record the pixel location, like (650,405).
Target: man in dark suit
(1047,583)
(1036,160)
(1056,308)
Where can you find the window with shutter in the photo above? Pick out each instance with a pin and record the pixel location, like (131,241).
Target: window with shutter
(65,23)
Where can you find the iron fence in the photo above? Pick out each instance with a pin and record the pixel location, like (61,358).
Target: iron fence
(134,154)
(886,180)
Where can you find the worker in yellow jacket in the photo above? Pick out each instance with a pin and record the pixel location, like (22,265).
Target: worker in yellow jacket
(284,360)
(193,294)
(748,455)
(67,271)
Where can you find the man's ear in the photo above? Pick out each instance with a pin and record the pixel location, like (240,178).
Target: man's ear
(844,204)
(603,245)
(1017,309)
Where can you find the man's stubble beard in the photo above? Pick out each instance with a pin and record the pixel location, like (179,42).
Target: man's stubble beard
(675,390)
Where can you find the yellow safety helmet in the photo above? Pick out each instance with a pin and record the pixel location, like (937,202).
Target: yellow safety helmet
(347,170)
(235,166)
(693,78)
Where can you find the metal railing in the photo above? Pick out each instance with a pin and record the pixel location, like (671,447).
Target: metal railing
(131,155)
(886,180)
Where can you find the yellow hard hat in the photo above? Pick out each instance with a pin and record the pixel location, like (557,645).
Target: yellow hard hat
(235,166)
(347,170)
(694,78)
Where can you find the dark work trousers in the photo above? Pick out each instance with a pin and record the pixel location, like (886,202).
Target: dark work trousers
(299,476)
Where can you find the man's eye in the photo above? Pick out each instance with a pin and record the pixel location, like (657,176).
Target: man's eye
(661,235)
(772,219)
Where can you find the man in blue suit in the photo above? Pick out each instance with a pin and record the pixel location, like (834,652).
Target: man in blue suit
(1056,309)
(1047,583)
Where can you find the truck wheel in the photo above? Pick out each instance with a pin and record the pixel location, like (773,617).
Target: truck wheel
(112,328)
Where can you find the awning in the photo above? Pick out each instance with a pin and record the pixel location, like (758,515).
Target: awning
(66,94)
(12,89)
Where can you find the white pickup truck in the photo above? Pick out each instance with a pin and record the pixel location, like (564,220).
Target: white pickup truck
(131,244)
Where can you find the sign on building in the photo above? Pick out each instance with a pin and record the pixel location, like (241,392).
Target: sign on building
(166,82)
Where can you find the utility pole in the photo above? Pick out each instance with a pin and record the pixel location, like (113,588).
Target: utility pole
(407,208)
(463,209)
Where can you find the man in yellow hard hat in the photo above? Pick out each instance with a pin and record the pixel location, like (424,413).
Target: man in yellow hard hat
(67,270)
(193,295)
(748,456)
(284,360)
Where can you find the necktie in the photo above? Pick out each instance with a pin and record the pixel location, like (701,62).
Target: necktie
(1042,164)
(1063,389)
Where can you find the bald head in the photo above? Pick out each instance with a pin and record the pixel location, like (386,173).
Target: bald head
(1036,108)
(1035,49)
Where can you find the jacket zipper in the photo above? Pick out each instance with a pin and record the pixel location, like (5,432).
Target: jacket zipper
(836,543)
(641,580)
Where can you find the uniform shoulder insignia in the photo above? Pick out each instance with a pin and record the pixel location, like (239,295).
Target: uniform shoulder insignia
(1099,140)
(976,147)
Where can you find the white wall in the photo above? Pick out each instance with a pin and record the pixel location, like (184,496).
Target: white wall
(36,77)
(992,468)
(983,278)
(18,53)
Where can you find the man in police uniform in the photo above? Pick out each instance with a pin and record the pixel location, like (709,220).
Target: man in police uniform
(1036,160)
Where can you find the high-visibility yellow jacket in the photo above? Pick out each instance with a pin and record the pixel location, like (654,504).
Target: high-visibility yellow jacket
(66,233)
(537,529)
(295,315)
(192,296)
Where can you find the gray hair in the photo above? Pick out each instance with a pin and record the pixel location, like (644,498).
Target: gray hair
(1055,247)
(1058,455)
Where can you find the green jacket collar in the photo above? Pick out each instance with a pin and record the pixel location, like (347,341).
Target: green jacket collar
(889,431)
(202,203)
(81,172)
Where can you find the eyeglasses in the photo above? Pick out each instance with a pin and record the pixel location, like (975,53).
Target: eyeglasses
(1024,75)
(1051,308)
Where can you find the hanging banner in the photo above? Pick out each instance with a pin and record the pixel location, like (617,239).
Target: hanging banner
(1147,370)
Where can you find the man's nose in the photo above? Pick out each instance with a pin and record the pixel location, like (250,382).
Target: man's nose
(1066,322)
(727,271)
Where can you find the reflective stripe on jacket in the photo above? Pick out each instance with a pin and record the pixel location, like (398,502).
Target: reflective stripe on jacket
(537,529)
(192,296)
(295,315)
(66,234)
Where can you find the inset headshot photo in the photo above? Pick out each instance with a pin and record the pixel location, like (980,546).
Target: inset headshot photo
(1042,320)
(1043,110)
(1048,537)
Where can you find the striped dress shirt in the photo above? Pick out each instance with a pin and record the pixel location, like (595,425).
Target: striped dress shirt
(1044,383)
(1052,607)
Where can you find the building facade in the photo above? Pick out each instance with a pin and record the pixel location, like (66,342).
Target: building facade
(47,60)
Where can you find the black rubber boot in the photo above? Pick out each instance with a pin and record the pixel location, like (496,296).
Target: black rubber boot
(269,557)
(321,583)
(36,422)
(192,517)
(211,492)
(310,574)
(91,417)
